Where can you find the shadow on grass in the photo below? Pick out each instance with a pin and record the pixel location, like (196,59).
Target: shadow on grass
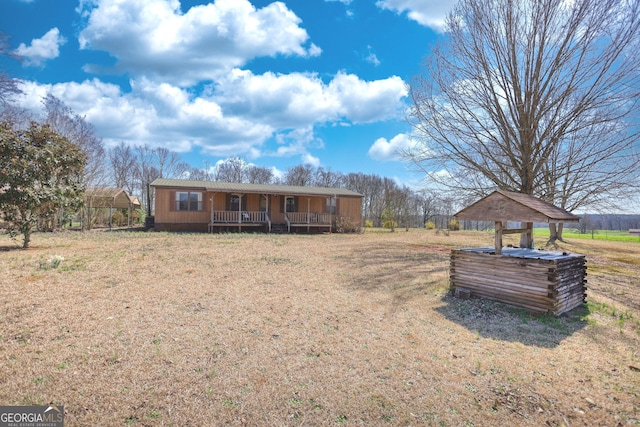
(124,229)
(408,271)
(11,248)
(394,267)
(404,272)
(495,320)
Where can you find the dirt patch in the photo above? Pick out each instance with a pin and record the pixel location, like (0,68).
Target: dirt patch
(234,329)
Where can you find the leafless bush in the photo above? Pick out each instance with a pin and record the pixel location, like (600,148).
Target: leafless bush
(345,225)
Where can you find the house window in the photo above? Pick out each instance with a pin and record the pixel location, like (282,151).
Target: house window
(234,202)
(290,205)
(188,201)
(331,205)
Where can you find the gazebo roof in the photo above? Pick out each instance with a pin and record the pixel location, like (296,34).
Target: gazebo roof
(105,197)
(509,206)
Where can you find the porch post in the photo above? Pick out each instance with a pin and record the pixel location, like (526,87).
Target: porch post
(286,216)
(213,195)
(240,212)
(308,213)
(334,201)
(327,207)
(266,196)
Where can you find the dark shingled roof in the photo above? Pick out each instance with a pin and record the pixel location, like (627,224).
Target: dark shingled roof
(229,187)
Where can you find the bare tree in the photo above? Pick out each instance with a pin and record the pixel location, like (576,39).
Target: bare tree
(76,129)
(372,189)
(259,175)
(328,178)
(123,166)
(8,85)
(426,205)
(301,175)
(197,174)
(169,163)
(146,173)
(534,96)
(231,170)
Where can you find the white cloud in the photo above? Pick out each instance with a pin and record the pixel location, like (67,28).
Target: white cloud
(365,102)
(153,114)
(42,49)
(277,173)
(154,38)
(348,11)
(237,115)
(372,58)
(429,13)
(390,150)
(310,160)
(298,100)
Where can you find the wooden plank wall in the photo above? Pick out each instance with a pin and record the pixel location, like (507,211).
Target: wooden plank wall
(544,285)
(350,207)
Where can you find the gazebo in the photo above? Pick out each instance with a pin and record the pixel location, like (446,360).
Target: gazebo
(537,280)
(106,198)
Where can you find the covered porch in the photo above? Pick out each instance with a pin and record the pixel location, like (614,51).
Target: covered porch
(269,212)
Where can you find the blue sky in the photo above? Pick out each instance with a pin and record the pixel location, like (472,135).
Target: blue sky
(280,84)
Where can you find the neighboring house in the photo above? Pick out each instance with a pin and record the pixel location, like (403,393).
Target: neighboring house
(218,206)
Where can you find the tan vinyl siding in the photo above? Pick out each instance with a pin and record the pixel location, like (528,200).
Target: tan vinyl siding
(166,212)
(275,206)
(219,201)
(349,207)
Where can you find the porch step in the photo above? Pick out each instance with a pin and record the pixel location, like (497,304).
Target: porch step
(279,228)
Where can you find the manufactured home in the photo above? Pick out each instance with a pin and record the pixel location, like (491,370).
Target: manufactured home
(206,206)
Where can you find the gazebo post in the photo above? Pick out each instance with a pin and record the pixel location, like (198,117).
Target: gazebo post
(529,234)
(498,239)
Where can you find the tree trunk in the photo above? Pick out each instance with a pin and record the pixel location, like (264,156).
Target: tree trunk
(26,233)
(148,199)
(559,233)
(555,232)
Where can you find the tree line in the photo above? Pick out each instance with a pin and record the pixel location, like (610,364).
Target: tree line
(134,168)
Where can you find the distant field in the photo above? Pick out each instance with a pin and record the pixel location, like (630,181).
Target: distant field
(616,236)
(160,329)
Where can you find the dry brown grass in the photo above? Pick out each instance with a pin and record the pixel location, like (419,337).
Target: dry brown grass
(154,329)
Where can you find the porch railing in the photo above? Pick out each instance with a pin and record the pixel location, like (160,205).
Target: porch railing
(242,217)
(308,218)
